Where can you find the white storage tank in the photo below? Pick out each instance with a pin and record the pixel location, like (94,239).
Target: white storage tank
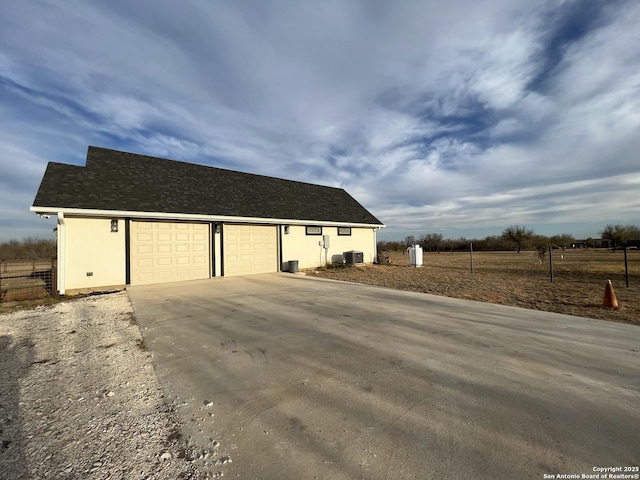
(415,256)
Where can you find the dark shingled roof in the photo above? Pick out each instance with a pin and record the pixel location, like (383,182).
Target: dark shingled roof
(113,180)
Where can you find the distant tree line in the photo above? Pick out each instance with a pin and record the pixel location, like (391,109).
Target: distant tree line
(27,249)
(514,237)
(518,238)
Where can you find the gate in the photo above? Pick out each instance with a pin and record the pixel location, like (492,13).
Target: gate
(27,279)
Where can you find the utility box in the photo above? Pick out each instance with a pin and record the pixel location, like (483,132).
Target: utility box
(415,256)
(337,259)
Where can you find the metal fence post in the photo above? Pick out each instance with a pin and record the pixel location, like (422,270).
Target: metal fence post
(626,265)
(54,276)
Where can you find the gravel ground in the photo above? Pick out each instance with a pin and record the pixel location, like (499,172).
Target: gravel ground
(79,398)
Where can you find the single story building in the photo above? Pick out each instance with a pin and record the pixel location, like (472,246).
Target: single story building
(128,219)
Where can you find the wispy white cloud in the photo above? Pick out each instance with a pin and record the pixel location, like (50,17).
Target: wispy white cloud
(436,116)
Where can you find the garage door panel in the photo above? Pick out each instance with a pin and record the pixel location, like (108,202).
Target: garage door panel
(145,277)
(143,249)
(165,276)
(167,252)
(250,249)
(183,274)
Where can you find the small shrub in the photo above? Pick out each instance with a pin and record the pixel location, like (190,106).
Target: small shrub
(330,266)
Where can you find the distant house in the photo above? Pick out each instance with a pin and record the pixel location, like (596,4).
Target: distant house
(128,219)
(604,243)
(630,244)
(590,243)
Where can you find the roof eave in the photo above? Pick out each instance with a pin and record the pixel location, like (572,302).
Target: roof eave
(194,217)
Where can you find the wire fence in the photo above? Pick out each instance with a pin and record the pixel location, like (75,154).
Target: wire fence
(27,279)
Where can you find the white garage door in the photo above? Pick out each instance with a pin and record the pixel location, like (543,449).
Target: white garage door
(168,252)
(250,249)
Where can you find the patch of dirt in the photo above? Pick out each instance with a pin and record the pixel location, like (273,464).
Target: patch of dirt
(79,397)
(519,280)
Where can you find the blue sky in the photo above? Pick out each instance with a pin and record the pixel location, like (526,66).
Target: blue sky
(458,117)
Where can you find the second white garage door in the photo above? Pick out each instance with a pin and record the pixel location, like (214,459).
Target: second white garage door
(250,249)
(168,252)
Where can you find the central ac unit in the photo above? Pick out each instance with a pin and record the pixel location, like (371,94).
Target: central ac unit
(353,257)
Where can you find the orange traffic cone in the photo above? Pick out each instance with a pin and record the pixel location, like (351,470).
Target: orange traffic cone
(610,299)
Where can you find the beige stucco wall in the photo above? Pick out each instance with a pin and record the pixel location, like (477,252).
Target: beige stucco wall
(90,246)
(296,245)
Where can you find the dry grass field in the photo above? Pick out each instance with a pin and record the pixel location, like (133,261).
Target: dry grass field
(514,279)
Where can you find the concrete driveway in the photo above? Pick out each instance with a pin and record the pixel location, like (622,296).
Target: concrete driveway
(311,378)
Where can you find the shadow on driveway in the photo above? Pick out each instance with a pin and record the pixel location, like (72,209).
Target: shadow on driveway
(15,358)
